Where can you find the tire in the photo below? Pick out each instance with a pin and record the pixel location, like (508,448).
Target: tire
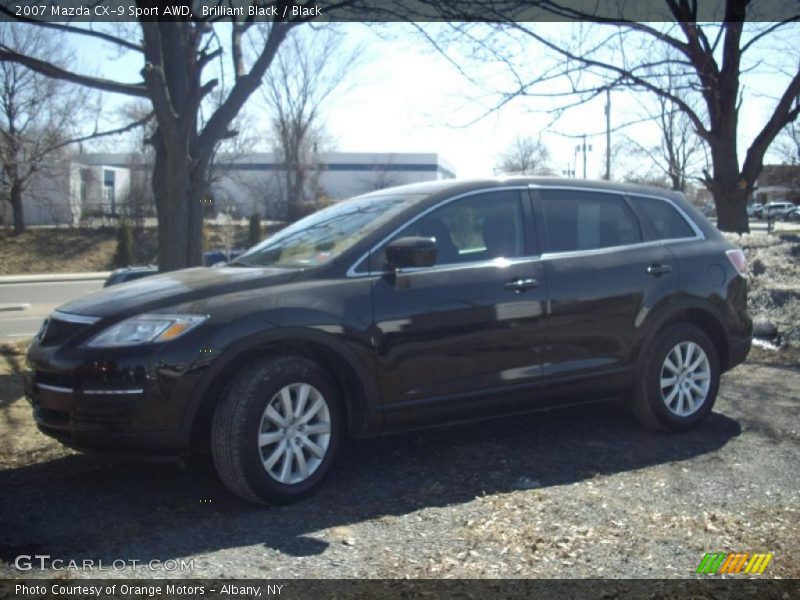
(249,430)
(670,395)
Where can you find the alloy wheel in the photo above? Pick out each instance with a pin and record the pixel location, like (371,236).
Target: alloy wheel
(685,379)
(295,433)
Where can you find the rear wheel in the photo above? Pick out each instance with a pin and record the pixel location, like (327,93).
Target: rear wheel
(276,430)
(679,379)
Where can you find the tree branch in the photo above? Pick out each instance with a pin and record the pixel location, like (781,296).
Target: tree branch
(245,85)
(106,37)
(767,31)
(99,134)
(781,117)
(623,74)
(51,70)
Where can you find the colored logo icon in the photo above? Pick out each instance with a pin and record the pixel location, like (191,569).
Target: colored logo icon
(736,562)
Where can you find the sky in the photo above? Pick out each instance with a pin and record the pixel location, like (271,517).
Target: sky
(406,97)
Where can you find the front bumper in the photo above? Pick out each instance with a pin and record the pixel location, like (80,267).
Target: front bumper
(92,418)
(130,402)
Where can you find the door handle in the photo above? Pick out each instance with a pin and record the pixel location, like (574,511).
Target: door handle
(520,285)
(657,270)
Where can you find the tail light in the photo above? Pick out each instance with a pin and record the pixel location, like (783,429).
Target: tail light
(738,260)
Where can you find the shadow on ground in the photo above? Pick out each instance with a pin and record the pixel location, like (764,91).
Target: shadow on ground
(80,506)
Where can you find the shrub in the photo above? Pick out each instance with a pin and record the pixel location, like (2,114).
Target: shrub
(254,233)
(123,257)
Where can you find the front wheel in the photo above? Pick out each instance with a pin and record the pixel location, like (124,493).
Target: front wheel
(276,430)
(679,379)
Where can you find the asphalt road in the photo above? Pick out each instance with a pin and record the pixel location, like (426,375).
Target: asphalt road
(42,297)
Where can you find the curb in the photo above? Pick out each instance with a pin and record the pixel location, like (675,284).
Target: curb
(18,306)
(54,277)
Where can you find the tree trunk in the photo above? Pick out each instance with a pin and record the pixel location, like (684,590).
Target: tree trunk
(726,187)
(15,198)
(731,205)
(180,216)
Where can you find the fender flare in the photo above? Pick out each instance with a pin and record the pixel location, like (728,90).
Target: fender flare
(668,313)
(364,415)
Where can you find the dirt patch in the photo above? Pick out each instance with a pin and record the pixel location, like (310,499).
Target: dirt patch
(582,492)
(774,294)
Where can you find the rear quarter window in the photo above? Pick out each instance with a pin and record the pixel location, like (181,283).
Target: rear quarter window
(660,220)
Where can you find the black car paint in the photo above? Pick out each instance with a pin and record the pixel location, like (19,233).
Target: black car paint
(408,348)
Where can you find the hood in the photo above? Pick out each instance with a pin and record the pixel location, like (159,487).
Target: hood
(162,291)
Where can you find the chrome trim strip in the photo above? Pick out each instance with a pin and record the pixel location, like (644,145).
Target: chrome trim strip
(113,392)
(55,388)
(351,272)
(593,251)
(500,263)
(70,318)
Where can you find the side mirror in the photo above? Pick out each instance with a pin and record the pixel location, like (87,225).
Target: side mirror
(411,252)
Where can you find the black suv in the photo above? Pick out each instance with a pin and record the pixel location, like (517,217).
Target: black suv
(407,307)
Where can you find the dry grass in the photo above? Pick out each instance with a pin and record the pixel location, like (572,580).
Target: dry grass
(78,250)
(56,251)
(23,444)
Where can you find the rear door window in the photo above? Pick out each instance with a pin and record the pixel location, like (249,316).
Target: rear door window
(584,220)
(660,220)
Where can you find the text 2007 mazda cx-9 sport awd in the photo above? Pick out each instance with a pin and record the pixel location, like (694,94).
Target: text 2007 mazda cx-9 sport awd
(406,307)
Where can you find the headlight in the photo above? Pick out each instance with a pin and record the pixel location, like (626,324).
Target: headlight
(145,329)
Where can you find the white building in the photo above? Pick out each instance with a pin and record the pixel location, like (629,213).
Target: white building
(107,186)
(255,182)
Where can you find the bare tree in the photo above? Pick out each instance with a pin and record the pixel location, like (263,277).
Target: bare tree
(308,71)
(712,54)
(250,139)
(38,115)
(525,156)
(175,56)
(381,176)
(787,145)
(679,153)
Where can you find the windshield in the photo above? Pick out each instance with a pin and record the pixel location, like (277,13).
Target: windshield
(324,235)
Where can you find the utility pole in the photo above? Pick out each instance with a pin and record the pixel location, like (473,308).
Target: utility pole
(584,156)
(585,149)
(608,134)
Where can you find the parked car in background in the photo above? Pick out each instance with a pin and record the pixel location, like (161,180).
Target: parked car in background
(709,210)
(126,274)
(754,209)
(411,306)
(211,258)
(793,214)
(774,210)
(220,256)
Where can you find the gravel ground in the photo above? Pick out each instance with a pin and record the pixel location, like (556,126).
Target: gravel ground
(580,492)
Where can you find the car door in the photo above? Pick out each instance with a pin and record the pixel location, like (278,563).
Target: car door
(472,322)
(603,278)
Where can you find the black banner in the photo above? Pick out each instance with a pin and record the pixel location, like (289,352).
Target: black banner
(287,589)
(390,10)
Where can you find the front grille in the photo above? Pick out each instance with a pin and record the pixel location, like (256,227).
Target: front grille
(57,331)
